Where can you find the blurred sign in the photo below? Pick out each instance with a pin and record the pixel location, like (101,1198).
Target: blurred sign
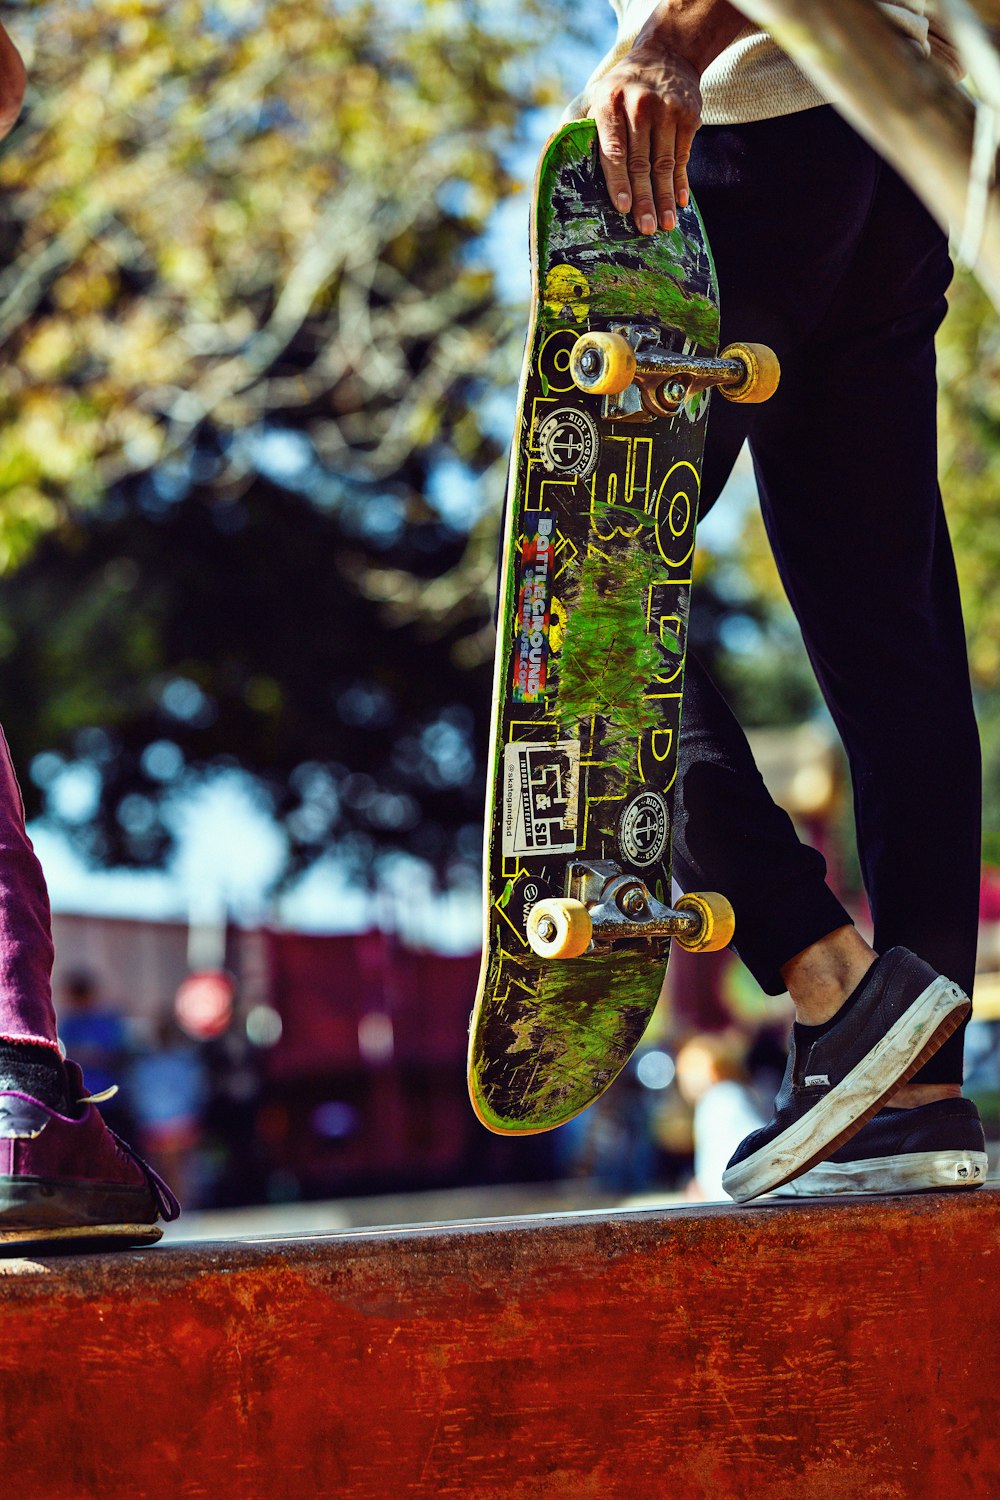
(203,1004)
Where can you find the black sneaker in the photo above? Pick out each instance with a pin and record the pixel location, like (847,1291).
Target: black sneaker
(899,1018)
(932,1147)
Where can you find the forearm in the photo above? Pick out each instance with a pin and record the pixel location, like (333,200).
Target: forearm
(696,30)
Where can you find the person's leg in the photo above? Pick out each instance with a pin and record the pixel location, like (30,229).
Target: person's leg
(860,539)
(812,236)
(782,239)
(26,1012)
(783,267)
(730,835)
(63,1173)
(29,1049)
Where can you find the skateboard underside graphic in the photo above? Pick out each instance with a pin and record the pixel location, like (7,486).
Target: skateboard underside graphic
(599,542)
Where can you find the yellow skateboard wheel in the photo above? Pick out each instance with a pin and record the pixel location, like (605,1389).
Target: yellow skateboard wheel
(559,928)
(718,922)
(602,363)
(762,377)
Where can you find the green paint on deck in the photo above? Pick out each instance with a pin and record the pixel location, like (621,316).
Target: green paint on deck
(571,147)
(597,1035)
(608,657)
(618,514)
(616,291)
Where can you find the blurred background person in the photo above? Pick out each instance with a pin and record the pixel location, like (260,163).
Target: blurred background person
(96,1035)
(169,1084)
(239,1169)
(712,1078)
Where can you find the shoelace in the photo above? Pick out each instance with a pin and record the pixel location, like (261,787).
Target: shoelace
(165,1200)
(101,1098)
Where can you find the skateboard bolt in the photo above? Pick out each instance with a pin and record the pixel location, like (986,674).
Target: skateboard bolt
(676,391)
(591,362)
(546,929)
(633,903)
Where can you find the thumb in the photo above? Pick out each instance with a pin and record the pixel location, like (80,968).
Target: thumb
(576,109)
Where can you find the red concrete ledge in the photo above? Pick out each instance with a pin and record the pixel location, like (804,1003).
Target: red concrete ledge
(834,1350)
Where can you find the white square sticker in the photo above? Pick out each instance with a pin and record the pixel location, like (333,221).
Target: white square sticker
(541,788)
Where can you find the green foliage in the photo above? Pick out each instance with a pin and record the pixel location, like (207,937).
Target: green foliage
(217,216)
(969,430)
(969,367)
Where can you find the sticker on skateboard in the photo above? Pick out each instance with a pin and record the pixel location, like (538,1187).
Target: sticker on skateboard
(540,789)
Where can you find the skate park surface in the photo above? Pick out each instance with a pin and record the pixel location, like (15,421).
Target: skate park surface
(826,1348)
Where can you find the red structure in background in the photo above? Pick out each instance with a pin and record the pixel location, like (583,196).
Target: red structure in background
(366,1087)
(366,1000)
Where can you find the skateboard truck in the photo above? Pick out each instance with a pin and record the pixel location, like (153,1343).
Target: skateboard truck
(640,380)
(605,905)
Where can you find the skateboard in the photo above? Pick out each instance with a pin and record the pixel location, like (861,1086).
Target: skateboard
(598,547)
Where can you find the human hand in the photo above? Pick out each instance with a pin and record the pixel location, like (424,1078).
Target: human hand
(13,81)
(647,109)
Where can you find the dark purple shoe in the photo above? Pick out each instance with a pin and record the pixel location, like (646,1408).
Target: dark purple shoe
(68,1177)
(900,1017)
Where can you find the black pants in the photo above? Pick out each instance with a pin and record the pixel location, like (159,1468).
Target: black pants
(824,254)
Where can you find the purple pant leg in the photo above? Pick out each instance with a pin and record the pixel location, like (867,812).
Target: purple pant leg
(26,1012)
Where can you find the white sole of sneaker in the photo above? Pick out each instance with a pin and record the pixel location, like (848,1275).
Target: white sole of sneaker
(894,1059)
(916,1172)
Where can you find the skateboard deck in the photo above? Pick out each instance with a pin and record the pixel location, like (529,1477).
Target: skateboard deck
(599,540)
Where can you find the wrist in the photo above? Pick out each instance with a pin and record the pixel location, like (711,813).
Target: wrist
(696,31)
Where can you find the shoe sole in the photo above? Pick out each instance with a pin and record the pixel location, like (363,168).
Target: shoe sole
(46,1211)
(914,1038)
(915,1172)
(84,1236)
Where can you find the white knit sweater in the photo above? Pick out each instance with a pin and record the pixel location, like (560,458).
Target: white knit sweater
(753,79)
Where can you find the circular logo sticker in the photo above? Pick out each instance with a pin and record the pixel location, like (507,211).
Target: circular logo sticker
(644,829)
(568,440)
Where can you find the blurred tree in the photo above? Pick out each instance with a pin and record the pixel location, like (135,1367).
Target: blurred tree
(969,363)
(250,463)
(770,680)
(745,633)
(247,325)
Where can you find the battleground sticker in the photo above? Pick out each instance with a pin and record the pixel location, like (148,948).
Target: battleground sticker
(540,793)
(534,609)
